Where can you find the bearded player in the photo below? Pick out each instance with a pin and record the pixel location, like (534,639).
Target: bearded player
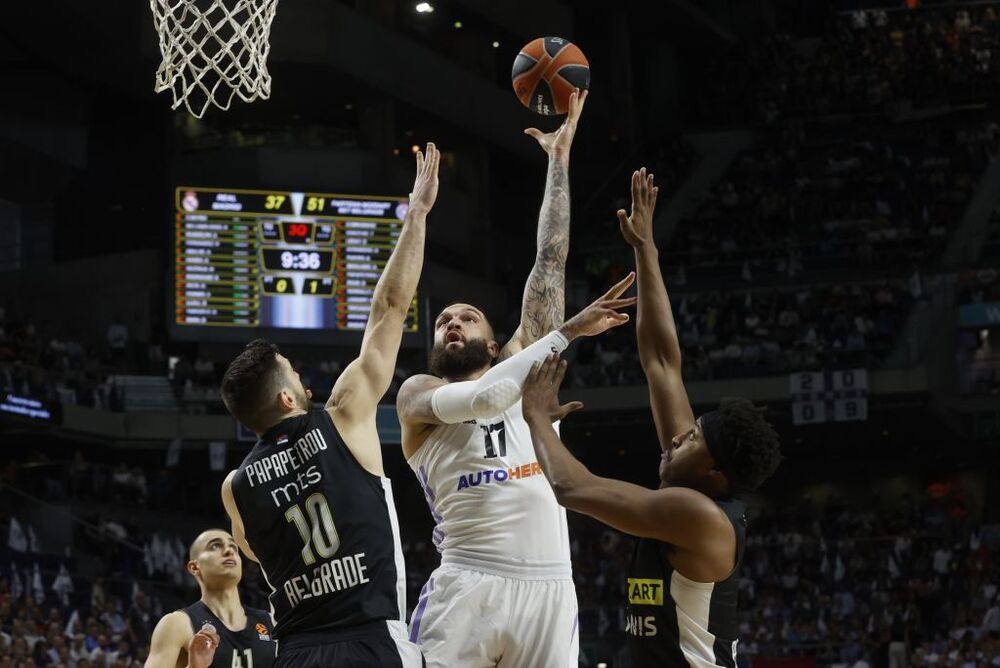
(311,502)
(504,593)
(682,586)
(218,630)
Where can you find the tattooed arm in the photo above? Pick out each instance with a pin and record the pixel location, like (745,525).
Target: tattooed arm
(543,304)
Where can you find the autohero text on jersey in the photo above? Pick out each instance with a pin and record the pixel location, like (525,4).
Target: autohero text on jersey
(289,461)
(329,577)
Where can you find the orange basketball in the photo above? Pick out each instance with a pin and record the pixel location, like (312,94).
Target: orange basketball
(545,73)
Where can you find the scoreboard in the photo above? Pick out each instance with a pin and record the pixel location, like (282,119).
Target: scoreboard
(278,259)
(829,396)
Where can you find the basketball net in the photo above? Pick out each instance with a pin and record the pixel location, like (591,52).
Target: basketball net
(212,54)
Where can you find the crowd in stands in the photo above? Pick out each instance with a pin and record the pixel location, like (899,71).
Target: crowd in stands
(871,198)
(812,202)
(38,362)
(763,332)
(49,626)
(851,581)
(869,60)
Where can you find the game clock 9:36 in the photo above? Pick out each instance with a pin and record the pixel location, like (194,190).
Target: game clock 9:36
(277,259)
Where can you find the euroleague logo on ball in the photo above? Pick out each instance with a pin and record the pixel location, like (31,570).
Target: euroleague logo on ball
(546,72)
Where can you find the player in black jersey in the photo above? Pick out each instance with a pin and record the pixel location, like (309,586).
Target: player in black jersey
(682,588)
(218,630)
(310,502)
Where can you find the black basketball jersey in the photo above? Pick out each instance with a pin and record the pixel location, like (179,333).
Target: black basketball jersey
(675,622)
(323,528)
(252,647)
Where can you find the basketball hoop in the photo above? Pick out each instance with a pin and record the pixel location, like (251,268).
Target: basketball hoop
(212,54)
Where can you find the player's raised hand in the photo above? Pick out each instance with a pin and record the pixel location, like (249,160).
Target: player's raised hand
(637,227)
(201,649)
(541,390)
(425,184)
(559,142)
(603,314)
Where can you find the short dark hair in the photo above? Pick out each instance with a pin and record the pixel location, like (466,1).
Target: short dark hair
(249,381)
(752,445)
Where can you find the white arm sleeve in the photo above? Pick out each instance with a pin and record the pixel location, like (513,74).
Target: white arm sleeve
(496,390)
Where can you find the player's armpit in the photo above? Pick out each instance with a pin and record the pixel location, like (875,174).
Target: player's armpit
(366,379)
(414,402)
(170,637)
(229,502)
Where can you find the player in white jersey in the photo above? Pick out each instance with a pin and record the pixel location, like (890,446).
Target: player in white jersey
(494,515)
(503,595)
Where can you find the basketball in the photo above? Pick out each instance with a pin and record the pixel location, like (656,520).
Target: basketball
(545,73)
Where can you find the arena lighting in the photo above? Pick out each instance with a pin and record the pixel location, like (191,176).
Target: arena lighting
(602,665)
(496,45)
(415,149)
(458,24)
(424,8)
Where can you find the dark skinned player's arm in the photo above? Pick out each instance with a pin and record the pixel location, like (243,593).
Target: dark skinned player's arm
(656,332)
(682,517)
(543,305)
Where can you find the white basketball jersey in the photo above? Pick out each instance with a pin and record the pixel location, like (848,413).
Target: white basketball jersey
(492,506)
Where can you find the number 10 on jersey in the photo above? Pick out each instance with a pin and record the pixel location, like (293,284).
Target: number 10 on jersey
(316,527)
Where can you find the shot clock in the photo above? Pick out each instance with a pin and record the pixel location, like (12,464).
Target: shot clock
(253,258)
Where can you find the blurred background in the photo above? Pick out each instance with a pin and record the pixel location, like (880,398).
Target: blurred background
(829,232)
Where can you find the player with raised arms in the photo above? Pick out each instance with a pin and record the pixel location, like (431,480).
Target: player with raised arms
(218,630)
(682,586)
(311,502)
(504,593)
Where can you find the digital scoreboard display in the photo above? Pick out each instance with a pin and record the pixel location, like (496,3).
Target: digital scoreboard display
(283,260)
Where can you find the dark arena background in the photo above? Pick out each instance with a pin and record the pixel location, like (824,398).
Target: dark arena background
(829,231)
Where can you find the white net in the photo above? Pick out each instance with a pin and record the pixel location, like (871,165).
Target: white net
(213,50)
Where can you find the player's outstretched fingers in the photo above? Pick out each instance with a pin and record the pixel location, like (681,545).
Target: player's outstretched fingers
(548,369)
(561,373)
(428,162)
(623,302)
(648,190)
(581,99)
(618,288)
(536,370)
(623,223)
(574,107)
(616,319)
